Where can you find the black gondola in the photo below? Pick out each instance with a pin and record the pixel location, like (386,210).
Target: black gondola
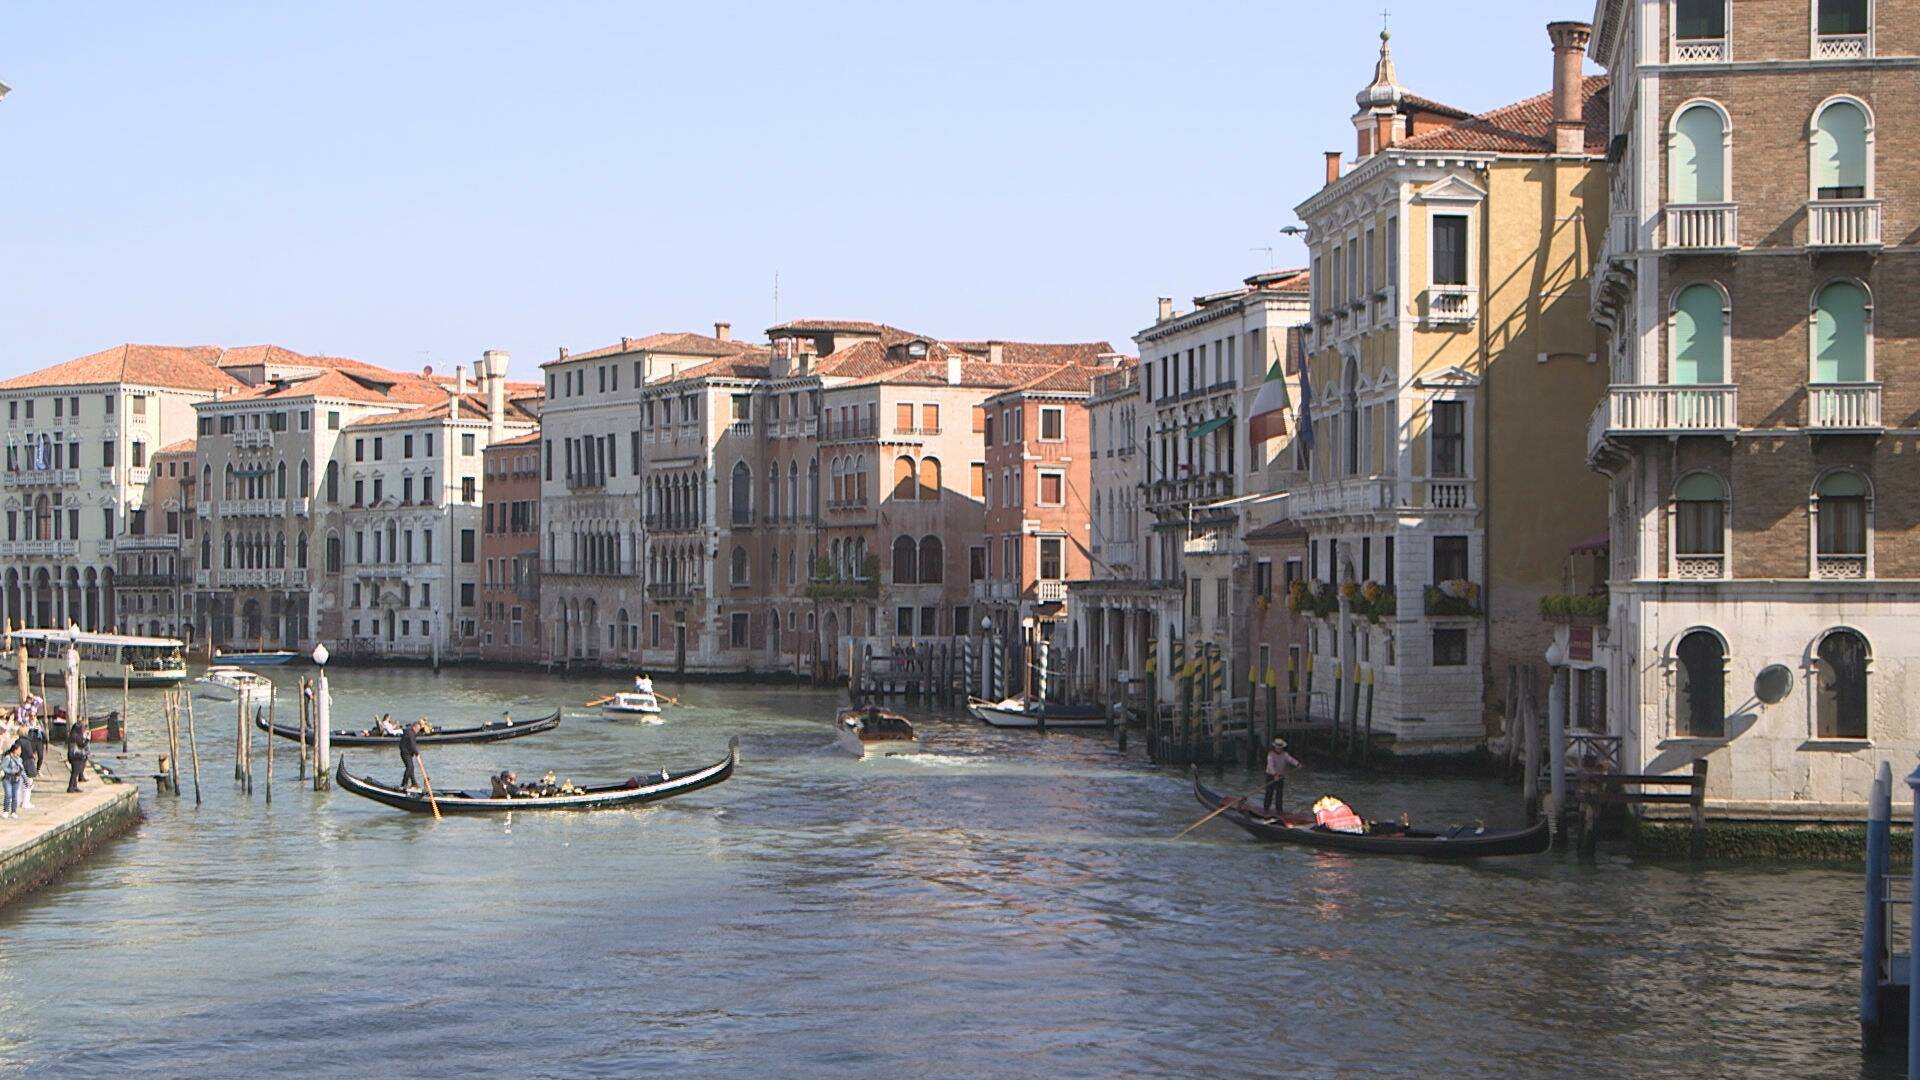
(633,791)
(1381,838)
(495,731)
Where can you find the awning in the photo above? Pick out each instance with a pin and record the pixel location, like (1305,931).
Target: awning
(1592,544)
(1241,500)
(1210,426)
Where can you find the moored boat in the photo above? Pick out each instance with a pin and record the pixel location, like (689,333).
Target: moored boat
(1376,837)
(101,727)
(255,657)
(630,792)
(105,659)
(873,730)
(224,682)
(496,731)
(1016,712)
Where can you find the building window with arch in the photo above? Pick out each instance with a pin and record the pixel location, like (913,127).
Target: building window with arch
(930,478)
(1842,142)
(1843,525)
(1840,687)
(903,478)
(741,494)
(1840,394)
(1699,337)
(739,570)
(1700,686)
(1700,527)
(904,557)
(933,561)
(1697,152)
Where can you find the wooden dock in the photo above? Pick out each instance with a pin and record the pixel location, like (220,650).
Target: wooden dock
(61,829)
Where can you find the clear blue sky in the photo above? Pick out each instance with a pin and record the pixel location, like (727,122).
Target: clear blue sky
(415,182)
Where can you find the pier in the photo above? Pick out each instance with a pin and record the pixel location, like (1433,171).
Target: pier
(61,829)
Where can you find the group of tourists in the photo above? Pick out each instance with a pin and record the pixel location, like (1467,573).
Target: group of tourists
(24,733)
(507,785)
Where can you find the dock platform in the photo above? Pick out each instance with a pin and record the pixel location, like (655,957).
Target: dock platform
(61,829)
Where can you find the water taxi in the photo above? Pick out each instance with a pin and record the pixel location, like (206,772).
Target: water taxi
(225,682)
(254,658)
(105,659)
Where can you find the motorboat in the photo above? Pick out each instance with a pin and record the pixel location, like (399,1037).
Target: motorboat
(873,730)
(254,657)
(640,701)
(225,682)
(1015,712)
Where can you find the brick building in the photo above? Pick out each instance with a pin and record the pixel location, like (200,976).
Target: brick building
(510,626)
(153,550)
(1759,427)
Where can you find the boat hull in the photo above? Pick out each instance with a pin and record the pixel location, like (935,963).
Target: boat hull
(607,797)
(1296,829)
(1020,718)
(256,659)
(497,731)
(850,742)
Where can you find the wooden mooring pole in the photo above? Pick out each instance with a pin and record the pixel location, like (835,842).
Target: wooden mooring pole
(193,747)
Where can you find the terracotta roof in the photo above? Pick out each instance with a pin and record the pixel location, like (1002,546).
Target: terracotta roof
(1028,352)
(184,446)
(1524,127)
(1417,103)
(688,344)
(745,366)
(528,439)
(867,358)
(374,386)
(1284,529)
(472,407)
(1287,281)
(1066,379)
(179,367)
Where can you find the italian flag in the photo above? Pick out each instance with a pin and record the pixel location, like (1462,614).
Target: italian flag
(1269,418)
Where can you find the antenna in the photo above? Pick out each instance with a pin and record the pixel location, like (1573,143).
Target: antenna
(1268,248)
(776,298)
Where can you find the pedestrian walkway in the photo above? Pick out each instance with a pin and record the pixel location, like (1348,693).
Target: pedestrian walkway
(61,829)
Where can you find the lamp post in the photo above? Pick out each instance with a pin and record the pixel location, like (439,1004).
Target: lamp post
(323,728)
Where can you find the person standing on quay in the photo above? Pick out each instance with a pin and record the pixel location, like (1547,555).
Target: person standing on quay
(13,777)
(77,736)
(33,752)
(1279,763)
(409,754)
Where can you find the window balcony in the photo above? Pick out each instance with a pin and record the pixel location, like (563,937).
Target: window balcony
(1699,567)
(1050,592)
(1844,224)
(39,547)
(1842,407)
(249,440)
(1842,46)
(158,542)
(104,475)
(1671,410)
(1449,495)
(1840,567)
(1339,498)
(1705,227)
(252,507)
(1700,51)
(302,507)
(743,428)
(1451,305)
(43,478)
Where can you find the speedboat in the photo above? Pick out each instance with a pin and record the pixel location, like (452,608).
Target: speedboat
(1015,712)
(873,730)
(254,658)
(640,701)
(225,682)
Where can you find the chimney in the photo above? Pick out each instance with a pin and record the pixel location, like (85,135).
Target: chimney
(563,352)
(626,343)
(493,381)
(953,367)
(459,378)
(1166,309)
(996,353)
(453,404)
(1333,166)
(723,331)
(1569,44)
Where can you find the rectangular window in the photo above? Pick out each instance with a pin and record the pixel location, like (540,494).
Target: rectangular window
(978,484)
(1449,249)
(466,545)
(1449,558)
(359,448)
(742,407)
(1695,19)
(1051,564)
(466,443)
(1053,488)
(930,419)
(1450,647)
(379,448)
(903,621)
(106,454)
(977,563)
(1263,581)
(333,420)
(406,446)
(469,489)
(1449,438)
(466,594)
(929,621)
(1843,16)
(1053,423)
(903,418)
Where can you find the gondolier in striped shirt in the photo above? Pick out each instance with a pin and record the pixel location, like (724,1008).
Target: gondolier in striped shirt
(1279,763)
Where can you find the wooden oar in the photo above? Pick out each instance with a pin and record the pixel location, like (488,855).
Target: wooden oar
(599,701)
(669,700)
(1223,808)
(427,782)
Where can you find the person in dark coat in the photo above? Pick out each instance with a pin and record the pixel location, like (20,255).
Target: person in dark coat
(77,736)
(33,751)
(409,753)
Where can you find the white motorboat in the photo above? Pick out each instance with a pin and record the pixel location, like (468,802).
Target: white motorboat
(872,730)
(225,682)
(1014,712)
(640,701)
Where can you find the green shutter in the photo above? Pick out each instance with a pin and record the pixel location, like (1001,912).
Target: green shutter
(1697,345)
(1840,147)
(1699,174)
(1700,487)
(1840,334)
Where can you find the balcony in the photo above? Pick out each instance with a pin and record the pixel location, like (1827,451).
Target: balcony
(103,475)
(1699,567)
(39,547)
(1449,495)
(1842,47)
(1700,51)
(675,590)
(203,510)
(1002,591)
(1671,410)
(43,478)
(138,475)
(252,440)
(741,428)
(162,542)
(1050,592)
(1840,567)
(1342,497)
(1702,227)
(1843,407)
(302,507)
(253,578)
(1844,224)
(1451,305)
(252,507)
(1213,542)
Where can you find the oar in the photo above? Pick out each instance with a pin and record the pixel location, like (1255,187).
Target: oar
(427,782)
(599,701)
(666,698)
(1223,808)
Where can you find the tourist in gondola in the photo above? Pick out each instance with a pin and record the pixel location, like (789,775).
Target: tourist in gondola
(410,754)
(1279,763)
(77,736)
(506,785)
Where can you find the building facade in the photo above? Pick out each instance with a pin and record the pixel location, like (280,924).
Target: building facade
(153,553)
(510,625)
(1758,420)
(1450,355)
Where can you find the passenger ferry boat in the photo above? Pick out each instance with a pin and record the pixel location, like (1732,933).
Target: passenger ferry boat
(105,658)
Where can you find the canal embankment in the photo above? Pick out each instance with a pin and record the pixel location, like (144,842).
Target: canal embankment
(61,829)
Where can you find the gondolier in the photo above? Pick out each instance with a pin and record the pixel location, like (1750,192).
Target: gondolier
(410,754)
(1279,763)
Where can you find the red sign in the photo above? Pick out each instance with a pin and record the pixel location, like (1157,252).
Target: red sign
(1580,643)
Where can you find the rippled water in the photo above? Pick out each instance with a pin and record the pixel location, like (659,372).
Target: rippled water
(1003,905)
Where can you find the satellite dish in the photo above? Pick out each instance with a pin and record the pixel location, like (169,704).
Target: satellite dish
(1773,684)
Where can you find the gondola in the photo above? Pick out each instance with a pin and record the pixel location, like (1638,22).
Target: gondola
(630,792)
(497,731)
(1381,838)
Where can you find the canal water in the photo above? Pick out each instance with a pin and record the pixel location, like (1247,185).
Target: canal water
(1003,905)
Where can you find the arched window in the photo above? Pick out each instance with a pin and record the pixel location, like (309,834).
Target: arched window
(1700,691)
(773,490)
(206,552)
(1840,336)
(306,478)
(333,481)
(903,561)
(1840,693)
(739,569)
(333,554)
(1697,156)
(280,480)
(813,489)
(839,480)
(1842,140)
(793,489)
(1350,417)
(930,478)
(1700,527)
(742,493)
(903,472)
(1699,337)
(933,563)
(300,552)
(1842,525)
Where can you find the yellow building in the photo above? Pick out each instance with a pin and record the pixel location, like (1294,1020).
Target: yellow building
(1452,368)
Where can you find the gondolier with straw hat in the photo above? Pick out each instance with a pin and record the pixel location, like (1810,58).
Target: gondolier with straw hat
(1279,763)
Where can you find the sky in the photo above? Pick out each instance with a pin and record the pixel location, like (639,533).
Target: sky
(413,183)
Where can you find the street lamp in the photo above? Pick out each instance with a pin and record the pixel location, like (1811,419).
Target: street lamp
(322,719)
